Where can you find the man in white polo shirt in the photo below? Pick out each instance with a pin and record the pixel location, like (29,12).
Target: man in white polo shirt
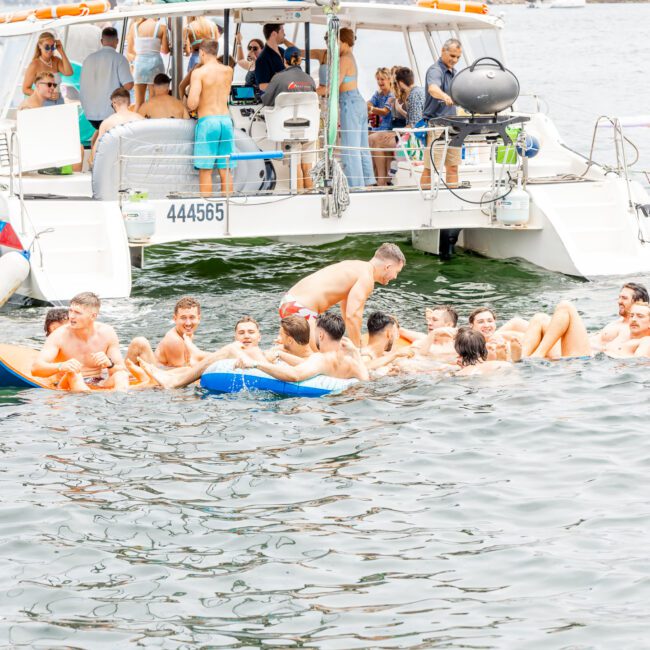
(103,72)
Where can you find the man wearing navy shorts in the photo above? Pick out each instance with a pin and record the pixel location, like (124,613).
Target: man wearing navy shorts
(214,138)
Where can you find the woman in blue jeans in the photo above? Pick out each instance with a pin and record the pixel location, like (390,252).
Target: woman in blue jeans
(357,163)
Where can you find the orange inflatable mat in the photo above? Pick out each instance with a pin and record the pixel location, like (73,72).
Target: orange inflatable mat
(15,370)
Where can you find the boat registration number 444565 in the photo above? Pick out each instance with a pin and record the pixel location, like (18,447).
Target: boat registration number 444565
(196,212)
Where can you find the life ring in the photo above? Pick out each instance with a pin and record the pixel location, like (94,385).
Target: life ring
(15,371)
(57,11)
(222,377)
(456,5)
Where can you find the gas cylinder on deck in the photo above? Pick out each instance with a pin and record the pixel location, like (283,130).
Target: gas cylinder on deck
(514,208)
(139,217)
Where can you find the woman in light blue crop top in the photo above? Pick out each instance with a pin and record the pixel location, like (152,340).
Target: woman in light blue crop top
(356,161)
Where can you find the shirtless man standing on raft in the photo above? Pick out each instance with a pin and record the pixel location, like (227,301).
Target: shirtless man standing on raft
(177,348)
(336,357)
(83,352)
(349,283)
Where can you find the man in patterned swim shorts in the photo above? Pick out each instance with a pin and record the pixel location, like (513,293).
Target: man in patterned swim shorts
(349,283)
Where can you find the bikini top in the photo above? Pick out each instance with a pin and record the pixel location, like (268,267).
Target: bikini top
(148,44)
(349,78)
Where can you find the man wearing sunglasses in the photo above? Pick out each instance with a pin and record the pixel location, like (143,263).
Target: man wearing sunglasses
(44,88)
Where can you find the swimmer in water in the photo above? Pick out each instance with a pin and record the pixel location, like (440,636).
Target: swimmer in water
(435,317)
(177,348)
(348,283)
(82,352)
(247,338)
(473,354)
(336,356)
(292,342)
(629,294)
(54,319)
(484,320)
(564,335)
(383,334)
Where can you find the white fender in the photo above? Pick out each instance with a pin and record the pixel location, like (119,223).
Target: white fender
(14,269)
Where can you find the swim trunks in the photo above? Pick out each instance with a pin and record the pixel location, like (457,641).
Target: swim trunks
(214,136)
(290,306)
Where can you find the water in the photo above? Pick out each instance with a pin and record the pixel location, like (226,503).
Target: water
(415,512)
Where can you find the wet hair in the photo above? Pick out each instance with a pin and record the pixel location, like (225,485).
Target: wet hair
(247,319)
(45,36)
(378,321)
(480,310)
(332,324)
(121,95)
(451,42)
(87,299)
(390,253)
(209,46)
(450,313)
(470,346)
(297,328)
(56,315)
(347,36)
(405,75)
(187,302)
(639,292)
(161,79)
(271,28)
(109,33)
(43,75)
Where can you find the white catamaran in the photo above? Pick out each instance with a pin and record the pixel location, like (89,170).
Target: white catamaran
(65,233)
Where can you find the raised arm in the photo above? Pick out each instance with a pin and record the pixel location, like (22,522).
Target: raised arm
(63,64)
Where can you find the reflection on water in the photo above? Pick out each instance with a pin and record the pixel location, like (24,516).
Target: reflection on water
(415,512)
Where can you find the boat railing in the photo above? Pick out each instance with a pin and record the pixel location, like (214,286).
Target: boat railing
(622,167)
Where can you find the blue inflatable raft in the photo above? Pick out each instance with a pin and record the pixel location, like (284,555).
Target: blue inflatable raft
(222,377)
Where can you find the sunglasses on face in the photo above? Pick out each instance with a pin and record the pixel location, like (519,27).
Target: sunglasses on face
(49,84)
(253,48)
(49,48)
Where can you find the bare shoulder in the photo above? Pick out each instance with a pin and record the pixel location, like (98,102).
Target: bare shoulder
(105,330)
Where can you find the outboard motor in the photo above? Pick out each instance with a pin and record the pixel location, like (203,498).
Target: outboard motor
(485,87)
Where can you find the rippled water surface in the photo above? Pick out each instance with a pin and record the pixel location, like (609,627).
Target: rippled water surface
(414,512)
(410,513)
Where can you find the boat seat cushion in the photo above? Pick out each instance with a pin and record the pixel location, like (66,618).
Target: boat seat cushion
(154,166)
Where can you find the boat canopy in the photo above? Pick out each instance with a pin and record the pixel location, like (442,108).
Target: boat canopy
(360,15)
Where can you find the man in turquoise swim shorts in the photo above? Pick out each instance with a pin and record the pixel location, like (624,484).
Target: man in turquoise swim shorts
(214,138)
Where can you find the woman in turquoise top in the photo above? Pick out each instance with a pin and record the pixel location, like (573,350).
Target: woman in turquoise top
(356,161)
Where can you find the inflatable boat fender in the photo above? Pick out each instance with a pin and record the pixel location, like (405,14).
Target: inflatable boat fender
(14,269)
